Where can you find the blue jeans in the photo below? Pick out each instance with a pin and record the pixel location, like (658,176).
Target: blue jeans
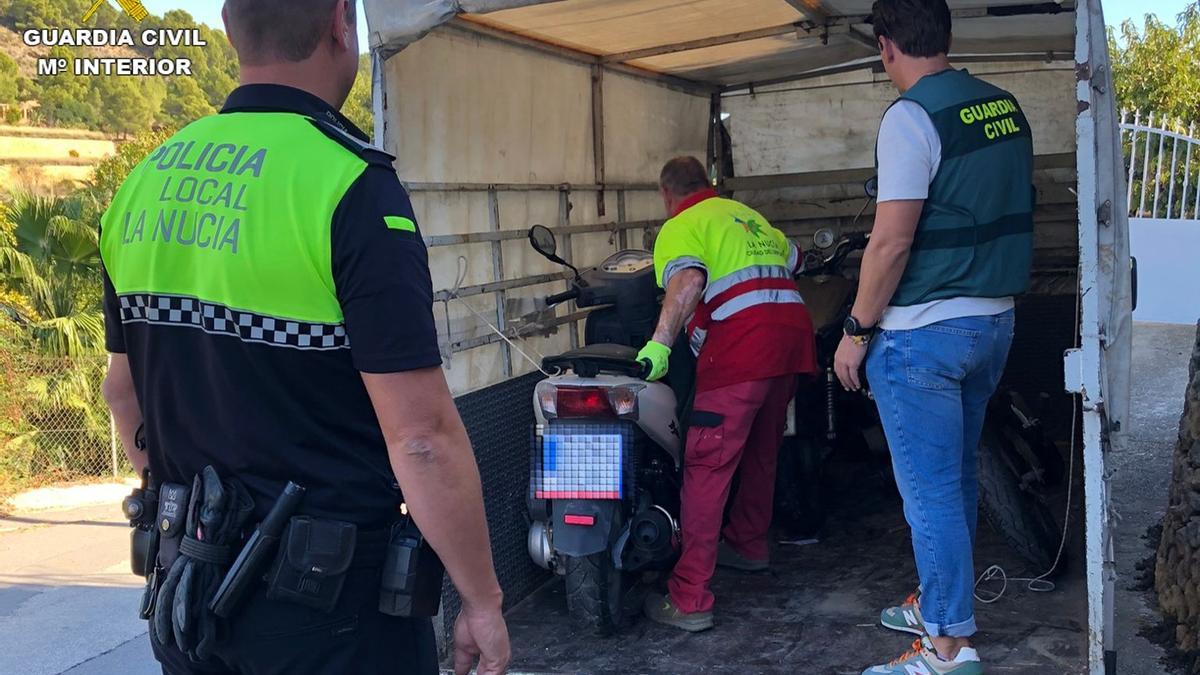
(932,386)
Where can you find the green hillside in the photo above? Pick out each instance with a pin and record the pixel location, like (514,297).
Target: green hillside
(122,105)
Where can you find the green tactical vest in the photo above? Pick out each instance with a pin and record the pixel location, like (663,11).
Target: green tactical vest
(229,211)
(975,235)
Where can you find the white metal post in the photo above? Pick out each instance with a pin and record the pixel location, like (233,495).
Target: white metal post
(1145,166)
(1098,369)
(1187,170)
(1137,119)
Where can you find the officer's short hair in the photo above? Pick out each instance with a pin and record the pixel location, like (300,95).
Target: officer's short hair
(919,28)
(683,176)
(280,30)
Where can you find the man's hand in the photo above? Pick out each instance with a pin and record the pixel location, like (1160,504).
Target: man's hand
(847,361)
(432,458)
(481,634)
(658,356)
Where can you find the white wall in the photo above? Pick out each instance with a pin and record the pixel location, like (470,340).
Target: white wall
(1168,269)
(468,109)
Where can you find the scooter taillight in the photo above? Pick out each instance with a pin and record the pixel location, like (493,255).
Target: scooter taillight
(583,402)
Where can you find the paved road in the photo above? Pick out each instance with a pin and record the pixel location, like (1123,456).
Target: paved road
(67,599)
(1141,475)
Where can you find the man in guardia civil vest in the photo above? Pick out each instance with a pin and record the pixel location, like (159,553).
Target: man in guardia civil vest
(951,245)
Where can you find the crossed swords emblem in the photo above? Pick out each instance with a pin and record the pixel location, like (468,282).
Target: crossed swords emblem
(134,8)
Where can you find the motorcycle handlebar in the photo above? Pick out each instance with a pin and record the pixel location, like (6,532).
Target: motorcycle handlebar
(647,368)
(562,297)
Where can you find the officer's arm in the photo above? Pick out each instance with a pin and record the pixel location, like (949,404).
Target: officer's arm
(433,461)
(122,401)
(683,294)
(885,258)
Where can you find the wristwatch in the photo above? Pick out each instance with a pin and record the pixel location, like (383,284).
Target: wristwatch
(858,334)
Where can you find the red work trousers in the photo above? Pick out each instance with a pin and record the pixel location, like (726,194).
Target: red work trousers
(749,419)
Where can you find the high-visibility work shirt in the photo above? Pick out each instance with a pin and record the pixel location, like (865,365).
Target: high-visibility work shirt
(255,264)
(751,323)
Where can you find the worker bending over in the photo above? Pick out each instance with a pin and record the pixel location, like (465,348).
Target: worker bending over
(725,267)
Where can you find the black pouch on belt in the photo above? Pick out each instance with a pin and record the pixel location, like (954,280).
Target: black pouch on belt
(167,530)
(411,581)
(313,558)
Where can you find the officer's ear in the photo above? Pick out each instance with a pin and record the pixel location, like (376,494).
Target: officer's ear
(887,50)
(343,25)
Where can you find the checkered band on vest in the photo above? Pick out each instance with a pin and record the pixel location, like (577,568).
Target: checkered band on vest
(174,310)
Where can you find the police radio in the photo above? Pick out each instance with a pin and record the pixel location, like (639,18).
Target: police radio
(141,508)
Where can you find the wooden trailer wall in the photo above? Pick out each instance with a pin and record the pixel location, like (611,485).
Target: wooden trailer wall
(493,138)
(802,150)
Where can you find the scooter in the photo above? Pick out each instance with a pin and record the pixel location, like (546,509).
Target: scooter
(606,460)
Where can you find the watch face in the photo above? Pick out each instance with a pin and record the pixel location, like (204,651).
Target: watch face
(850,326)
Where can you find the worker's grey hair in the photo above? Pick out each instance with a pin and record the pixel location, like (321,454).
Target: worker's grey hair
(683,176)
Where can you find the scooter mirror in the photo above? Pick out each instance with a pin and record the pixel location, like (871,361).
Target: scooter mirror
(824,238)
(871,187)
(543,241)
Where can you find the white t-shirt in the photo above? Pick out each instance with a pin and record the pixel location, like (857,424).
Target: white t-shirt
(910,153)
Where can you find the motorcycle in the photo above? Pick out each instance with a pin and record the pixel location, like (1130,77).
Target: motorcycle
(1018,464)
(607,447)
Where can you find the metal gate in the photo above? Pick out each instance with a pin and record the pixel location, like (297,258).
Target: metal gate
(1163,160)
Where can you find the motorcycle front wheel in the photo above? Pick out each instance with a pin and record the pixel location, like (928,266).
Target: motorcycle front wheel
(595,589)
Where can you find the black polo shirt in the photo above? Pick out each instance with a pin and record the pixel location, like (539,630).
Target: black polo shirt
(268,414)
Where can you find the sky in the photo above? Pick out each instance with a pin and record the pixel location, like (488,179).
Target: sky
(209,12)
(1115,11)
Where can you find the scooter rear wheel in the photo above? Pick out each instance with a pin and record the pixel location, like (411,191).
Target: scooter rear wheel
(1020,517)
(595,590)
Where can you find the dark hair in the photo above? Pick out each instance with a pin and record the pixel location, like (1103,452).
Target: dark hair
(274,30)
(683,176)
(920,28)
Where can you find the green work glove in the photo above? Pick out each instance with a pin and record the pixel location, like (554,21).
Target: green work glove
(657,355)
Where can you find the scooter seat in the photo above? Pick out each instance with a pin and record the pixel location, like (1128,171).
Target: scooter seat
(592,360)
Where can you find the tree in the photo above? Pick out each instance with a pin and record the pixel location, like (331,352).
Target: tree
(111,172)
(9,77)
(359,107)
(128,105)
(185,102)
(55,267)
(67,99)
(1157,69)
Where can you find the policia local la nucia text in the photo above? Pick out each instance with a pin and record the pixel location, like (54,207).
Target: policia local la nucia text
(202,197)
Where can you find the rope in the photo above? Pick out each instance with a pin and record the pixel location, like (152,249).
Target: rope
(1040,584)
(453,295)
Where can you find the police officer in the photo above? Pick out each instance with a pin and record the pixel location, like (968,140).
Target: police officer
(951,246)
(268,309)
(728,275)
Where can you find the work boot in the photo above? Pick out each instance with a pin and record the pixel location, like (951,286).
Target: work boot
(727,557)
(660,609)
(905,618)
(922,658)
